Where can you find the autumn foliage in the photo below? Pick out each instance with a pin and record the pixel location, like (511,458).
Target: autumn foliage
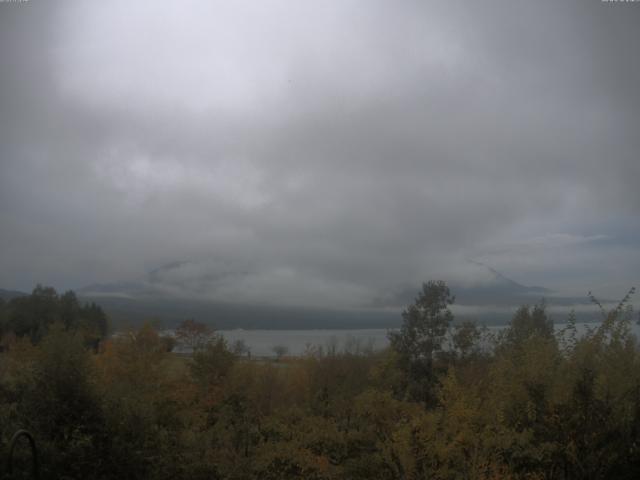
(445,401)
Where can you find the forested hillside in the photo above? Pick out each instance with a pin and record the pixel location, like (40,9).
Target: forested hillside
(445,401)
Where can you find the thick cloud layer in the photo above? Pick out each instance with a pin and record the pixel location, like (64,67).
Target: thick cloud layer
(320,153)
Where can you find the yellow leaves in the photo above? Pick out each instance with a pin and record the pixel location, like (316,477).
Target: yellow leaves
(530,410)
(341,416)
(289,461)
(382,411)
(135,357)
(386,373)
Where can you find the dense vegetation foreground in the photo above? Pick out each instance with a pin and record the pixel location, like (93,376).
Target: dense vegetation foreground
(443,402)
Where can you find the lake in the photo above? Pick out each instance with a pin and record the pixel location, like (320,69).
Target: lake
(261,342)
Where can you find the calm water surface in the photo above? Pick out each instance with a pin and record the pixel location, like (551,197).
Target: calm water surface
(297,342)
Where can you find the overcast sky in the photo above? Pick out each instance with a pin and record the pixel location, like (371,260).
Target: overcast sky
(320,152)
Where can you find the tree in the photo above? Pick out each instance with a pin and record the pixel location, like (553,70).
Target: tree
(3,317)
(528,322)
(62,405)
(194,335)
(212,362)
(424,329)
(69,310)
(466,338)
(93,321)
(33,315)
(280,351)
(241,348)
(425,323)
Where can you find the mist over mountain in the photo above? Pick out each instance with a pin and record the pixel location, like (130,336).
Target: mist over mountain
(210,281)
(484,286)
(219,294)
(9,294)
(184,289)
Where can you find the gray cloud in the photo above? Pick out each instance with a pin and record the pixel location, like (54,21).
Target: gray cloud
(319,153)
